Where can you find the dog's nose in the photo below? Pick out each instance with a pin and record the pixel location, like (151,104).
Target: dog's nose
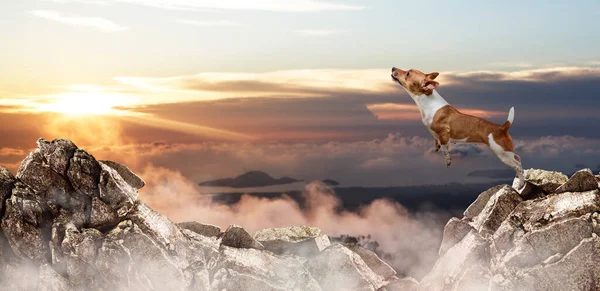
(393,69)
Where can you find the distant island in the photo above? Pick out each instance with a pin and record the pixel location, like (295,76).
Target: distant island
(250,179)
(330,182)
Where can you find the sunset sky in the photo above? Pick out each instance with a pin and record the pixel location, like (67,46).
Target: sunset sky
(211,89)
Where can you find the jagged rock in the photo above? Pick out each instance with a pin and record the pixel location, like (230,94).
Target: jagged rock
(115,192)
(42,179)
(404,284)
(477,206)
(302,241)
(143,262)
(129,176)
(26,224)
(454,232)
(581,181)
(52,281)
(102,215)
(377,265)
(548,181)
(498,207)
(578,270)
(338,268)
(7,182)
(57,153)
(201,229)
(529,191)
(537,245)
(84,173)
(251,269)
(459,264)
(236,236)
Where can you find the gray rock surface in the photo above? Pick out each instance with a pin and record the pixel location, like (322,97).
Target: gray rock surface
(546,239)
(338,268)
(201,229)
(237,237)
(581,181)
(302,241)
(70,222)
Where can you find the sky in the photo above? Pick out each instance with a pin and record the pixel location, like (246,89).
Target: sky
(211,89)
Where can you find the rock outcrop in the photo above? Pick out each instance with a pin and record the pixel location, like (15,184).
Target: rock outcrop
(544,238)
(71,222)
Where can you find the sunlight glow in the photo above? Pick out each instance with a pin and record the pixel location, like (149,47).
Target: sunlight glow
(86,103)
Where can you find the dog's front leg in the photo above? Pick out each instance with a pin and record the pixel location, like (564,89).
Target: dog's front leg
(446,151)
(437,145)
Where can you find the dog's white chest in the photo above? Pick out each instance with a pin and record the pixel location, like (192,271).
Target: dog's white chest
(429,105)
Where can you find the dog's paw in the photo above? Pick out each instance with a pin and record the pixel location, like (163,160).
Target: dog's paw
(437,149)
(448,163)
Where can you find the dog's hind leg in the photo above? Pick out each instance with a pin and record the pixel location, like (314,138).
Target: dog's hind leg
(509,158)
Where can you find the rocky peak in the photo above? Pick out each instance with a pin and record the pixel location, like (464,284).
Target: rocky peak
(71,222)
(544,237)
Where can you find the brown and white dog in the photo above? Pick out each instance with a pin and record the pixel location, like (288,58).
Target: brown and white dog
(447,124)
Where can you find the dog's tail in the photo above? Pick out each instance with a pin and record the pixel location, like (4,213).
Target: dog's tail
(511,118)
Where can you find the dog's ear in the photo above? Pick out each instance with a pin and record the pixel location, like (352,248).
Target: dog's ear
(430,85)
(432,76)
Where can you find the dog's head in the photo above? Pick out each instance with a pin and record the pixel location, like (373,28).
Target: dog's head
(415,81)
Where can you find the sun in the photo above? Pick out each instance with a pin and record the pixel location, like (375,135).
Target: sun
(84,103)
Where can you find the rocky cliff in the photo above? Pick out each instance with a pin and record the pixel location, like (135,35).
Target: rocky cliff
(71,222)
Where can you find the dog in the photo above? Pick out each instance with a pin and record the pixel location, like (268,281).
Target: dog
(447,124)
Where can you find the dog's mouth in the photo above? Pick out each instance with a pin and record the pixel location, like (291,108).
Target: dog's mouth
(396,79)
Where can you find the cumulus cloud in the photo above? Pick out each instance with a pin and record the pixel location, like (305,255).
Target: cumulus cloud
(94,22)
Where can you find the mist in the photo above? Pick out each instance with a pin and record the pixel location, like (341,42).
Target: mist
(411,239)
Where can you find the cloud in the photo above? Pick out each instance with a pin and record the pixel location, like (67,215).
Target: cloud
(493,173)
(313,83)
(94,22)
(395,111)
(319,32)
(412,239)
(208,23)
(264,5)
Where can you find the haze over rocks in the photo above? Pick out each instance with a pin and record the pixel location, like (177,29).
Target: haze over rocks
(71,222)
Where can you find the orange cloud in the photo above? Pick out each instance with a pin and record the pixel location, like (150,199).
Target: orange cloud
(393,111)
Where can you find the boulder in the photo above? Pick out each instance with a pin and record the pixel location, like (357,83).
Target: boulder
(115,192)
(338,268)
(129,176)
(57,153)
(302,241)
(7,183)
(26,223)
(477,206)
(404,284)
(498,207)
(84,173)
(241,269)
(52,281)
(460,264)
(581,181)
(548,181)
(201,229)
(454,232)
(43,179)
(376,264)
(237,237)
